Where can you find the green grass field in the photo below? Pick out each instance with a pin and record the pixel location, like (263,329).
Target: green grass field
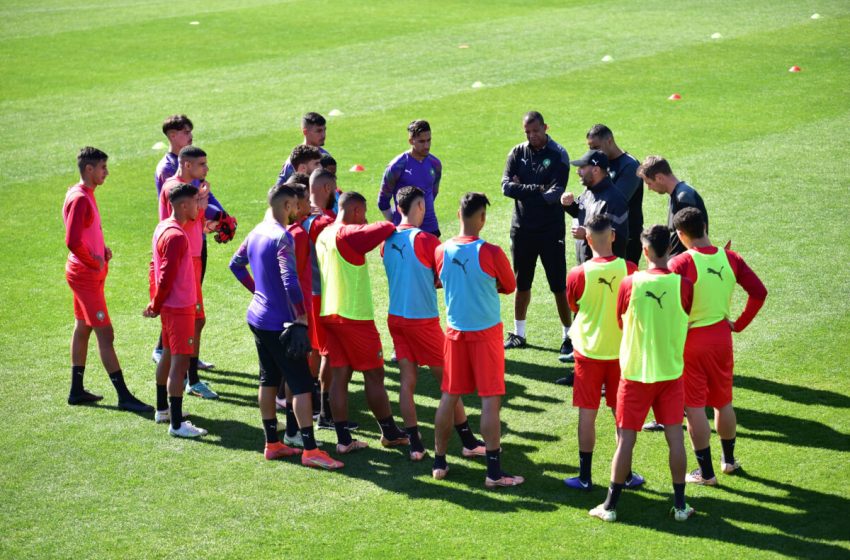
(767,149)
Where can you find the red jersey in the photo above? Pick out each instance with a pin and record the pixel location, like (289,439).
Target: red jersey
(194,228)
(83,233)
(303,265)
(173,271)
(683,265)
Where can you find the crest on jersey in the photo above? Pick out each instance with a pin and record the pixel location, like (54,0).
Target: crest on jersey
(191,341)
(100,315)
(547,162)
(433,173)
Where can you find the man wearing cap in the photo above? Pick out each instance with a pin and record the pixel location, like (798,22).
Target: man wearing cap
(601,197)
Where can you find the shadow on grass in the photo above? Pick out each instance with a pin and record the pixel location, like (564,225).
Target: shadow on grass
(537,372)
(767,426)
(793,393)
(793,524)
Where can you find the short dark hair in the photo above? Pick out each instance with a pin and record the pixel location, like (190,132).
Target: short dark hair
(598,223)
(302,153)
(176,122)
(417,127)
(327,160)
(299,188)
(472,202)
(298,178)
(533,116)
(652,166)
(321,175)
(350,197)
(90,156)
(657,238)
(312,119)
(600,131)
(281,191)
(690,221)
(191,152)
(181,190)
(406,196)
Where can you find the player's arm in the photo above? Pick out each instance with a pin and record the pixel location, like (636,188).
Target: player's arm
(425,247)
(752,284)
(575,287)
(687,295)
(624,295)
(388,185)
(438,175)
(172,247)
(215,210)
(684,266)
(239,267)
(362,239)
(285,172)
(511,186)
(552,195)
(80,216)
(618,212)
(289,276)
(495,263)
(627,181)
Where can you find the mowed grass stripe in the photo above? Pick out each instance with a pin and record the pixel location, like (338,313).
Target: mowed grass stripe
(117,115)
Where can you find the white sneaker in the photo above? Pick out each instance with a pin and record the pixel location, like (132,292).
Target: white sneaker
(729,468)
(164,416)
(156,355)
(600,512)
(187,430)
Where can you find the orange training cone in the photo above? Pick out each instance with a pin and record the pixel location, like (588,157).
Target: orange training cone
(795,69)
(674,97)
(357,168)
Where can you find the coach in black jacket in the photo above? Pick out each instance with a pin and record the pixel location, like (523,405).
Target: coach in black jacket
(601,197)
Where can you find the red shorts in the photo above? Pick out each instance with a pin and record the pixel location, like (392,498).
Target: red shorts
(178,329)
(708,366)
(89,299)
(475,360)
(634,399)
(421,341)
(356,344)
(318,336)
(199,307)
(591,375)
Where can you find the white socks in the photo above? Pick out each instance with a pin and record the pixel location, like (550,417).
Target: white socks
(519,328)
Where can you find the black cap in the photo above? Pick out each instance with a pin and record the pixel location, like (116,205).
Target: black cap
(592,157)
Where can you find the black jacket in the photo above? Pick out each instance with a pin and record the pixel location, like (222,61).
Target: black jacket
(543,175)
(602,198)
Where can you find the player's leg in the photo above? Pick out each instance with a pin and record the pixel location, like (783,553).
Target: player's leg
(325,415)
(79,352)
(695,380)
(270,379)
(700,435)
(554,261)
(196,386)
(472,446)
(524,252)
(163,367)
(720,398)
(587,389)
(106,347)
(178,335)
(443,420)
(621,464)
(379,403)
(408,372)
(678,468)
(726,424)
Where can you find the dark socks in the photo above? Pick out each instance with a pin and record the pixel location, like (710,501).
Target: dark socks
(316,398)
(309,438)
(728,450)
(117,378)
(343,436)
(176,407)
(159,342)
(679,495)
(193,371)
(614,491)
(389,429)
(466,436)
(270,427)
(161,397)
(494,464)
(585,461)
(704,460)
(77,373)
(291,421)
(415,441)
(440,462)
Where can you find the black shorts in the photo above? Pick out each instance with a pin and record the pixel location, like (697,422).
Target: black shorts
(275,367)
(526,246)
(634,250)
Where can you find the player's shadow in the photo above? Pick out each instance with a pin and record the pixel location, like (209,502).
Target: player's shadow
(537,372)
(231,434)
(793,393)
(799,432)
(795,523)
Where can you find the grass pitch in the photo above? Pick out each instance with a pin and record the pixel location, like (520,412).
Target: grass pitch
(766,148)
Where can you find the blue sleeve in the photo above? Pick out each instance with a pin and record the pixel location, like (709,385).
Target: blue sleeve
(214,208)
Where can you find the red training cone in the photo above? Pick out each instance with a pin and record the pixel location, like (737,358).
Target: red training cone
(674,97)
(357,168)
(795,69)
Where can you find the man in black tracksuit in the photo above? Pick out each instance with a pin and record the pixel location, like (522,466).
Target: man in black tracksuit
(536,174)
(601,197)
(622,168)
